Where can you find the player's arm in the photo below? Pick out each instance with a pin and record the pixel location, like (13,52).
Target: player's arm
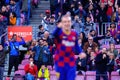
(56,31)
(78,49)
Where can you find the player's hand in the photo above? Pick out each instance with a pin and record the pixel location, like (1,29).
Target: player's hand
(59,25)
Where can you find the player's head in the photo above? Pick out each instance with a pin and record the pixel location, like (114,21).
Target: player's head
(66,22)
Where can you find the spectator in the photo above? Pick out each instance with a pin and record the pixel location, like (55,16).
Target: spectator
(102,16)
(111,63)
(97,51)
(110,9)
(48,53)
(41,31)
(38,49)
(78,25)
(2,61)
(113,30)
(89,25)
(118,33)
(91,44)
(12,18)
(91,62)
(89,49)
(81,13)
(118,63)
(83,38)
(26,8)
(3,24)
(47,37)
(15,7)
(96,37)
(44,73)
(30,70)
(81,62)
(101,61)
(112,50)
(5,12)
(14,52)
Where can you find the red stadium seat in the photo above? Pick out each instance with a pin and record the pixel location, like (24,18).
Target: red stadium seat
(115,76)
(25,61)
(21,72)
(27,56)
(21,67)
(90,75)
(80,77)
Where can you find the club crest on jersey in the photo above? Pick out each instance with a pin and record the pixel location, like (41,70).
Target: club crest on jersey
(68,43)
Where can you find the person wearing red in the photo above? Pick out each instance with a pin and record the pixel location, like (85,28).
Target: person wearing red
(31,70)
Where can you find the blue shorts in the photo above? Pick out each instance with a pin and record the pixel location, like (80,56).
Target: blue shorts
(66,73)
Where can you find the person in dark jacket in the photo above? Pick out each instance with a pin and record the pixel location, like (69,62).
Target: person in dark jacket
(2,60)
(111,63)
(81,62)
(101,61)
(37,50)
(14,52)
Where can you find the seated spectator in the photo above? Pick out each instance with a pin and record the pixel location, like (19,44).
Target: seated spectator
(83,38)
(113,31)
(113,50)
(90,43)
(30,70)
(12,18)
(101,61)
(96,38)
(5,12)
(108,39)
(80,42)
(43,73)
(91,62)
(81,62)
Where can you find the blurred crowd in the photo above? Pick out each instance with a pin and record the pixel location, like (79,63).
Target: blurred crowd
(15,12)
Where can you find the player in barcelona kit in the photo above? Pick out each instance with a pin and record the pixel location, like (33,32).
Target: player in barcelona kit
(66,41)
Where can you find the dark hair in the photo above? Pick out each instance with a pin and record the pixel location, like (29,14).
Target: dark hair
(114,24)
(40,26)
(30,57)
(14,14)
(84,37)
